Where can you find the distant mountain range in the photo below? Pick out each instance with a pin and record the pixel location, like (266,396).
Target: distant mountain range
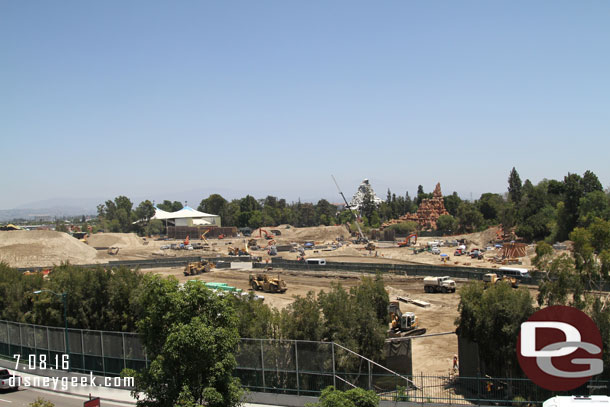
(50,209)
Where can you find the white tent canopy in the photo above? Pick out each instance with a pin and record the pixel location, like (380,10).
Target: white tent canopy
(161,214)
(187,216)
(188,212)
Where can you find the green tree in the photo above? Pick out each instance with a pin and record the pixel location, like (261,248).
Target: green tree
(514,186)
(492,318)
(469,217)
(452,203)
(590,182)
(567,214)
(595,204)
(190,336)
(214,204)
(170,206)
(446,223)
(143,214)
(404,228)
(490,205)
(117,215)
(325,208)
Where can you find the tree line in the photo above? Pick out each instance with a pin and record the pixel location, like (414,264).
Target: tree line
(549,210)
(190,333)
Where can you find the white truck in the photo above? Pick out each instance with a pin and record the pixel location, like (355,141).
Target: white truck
(439,284)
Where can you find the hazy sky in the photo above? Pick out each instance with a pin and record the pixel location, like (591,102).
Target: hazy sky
(147,98)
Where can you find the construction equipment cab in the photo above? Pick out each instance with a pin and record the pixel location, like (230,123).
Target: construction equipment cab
(403,324)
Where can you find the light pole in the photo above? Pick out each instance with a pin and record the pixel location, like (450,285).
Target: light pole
(64,297)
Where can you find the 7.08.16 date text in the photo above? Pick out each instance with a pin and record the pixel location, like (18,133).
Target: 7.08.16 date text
(59,362)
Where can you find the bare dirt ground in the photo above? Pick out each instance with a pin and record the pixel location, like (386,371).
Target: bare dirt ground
(432,355)
(46,248)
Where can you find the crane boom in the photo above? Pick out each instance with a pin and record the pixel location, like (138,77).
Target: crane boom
(347,205)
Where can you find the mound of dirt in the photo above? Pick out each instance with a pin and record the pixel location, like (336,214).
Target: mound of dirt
(482,239)
(121,240)
(315,233)
(39,248)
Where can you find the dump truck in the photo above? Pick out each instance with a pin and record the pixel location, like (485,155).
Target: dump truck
(402,325)
(266,283)
(492,278)
(198,267)
(439,284)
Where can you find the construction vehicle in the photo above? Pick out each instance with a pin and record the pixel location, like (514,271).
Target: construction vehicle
(370,246)
(407,241)
(113,251)
(268,235)
(236,251)
(492,278)
(198,267)
(439,284)
(266,283)
(361,238)
(203,236)
(402,325)
(476,254)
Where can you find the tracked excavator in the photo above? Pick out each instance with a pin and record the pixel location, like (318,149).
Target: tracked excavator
(403,325)
(407,241)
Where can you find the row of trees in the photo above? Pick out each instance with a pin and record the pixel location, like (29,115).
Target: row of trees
(549,210)
(190,333)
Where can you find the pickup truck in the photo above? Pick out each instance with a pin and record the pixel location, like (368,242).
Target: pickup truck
(5,380)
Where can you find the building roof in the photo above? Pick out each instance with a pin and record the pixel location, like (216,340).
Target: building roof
(186,212)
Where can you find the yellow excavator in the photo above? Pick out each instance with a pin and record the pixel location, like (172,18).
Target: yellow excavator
(403,325)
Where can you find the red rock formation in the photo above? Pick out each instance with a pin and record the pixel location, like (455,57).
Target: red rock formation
(428,212)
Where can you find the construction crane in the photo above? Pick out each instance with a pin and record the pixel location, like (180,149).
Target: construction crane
(361,237)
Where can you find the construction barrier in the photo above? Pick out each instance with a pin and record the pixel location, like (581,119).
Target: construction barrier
(423,270)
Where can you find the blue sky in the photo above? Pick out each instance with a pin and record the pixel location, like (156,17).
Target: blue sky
(160,99)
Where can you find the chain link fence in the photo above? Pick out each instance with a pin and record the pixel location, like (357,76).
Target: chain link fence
(103,353)
(280,366)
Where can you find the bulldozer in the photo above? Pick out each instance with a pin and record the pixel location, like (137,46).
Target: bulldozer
(266,283)
(113,251)
(198,267)
(403,325)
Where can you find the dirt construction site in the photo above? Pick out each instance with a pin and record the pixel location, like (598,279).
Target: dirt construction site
(432,355)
